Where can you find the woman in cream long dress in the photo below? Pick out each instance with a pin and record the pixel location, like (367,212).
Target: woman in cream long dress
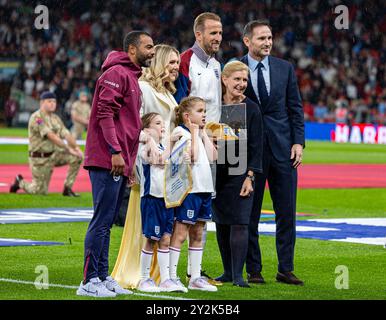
(157,89)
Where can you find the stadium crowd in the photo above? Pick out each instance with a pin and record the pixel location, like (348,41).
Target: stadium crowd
(341,73)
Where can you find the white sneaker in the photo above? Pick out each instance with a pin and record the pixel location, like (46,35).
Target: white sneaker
(148,285)
(201,283)
(94,288)
(114,286)
(170,286)
(179,284)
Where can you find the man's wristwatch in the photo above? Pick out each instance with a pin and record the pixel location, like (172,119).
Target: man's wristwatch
(252,177)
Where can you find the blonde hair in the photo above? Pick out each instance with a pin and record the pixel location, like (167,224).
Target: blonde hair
(199,22)
(230,68)
(185,105)
(158,72)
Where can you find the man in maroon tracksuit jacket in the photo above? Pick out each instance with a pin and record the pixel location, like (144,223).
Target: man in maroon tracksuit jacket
(111,148)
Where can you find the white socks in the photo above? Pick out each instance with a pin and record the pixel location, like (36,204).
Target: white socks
(146,257)
(163,262)
(168,262)
(174,256)
(195,258)
(203,241)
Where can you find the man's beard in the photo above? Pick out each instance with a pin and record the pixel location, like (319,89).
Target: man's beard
(208,49)
(144,61)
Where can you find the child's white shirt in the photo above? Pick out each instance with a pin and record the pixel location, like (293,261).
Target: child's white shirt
(151,177)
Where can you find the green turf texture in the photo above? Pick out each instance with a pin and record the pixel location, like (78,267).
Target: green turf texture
(51,200)
(18,132)
(315,260)
(14,132)
(328,153)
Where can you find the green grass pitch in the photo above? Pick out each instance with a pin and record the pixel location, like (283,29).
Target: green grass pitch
(315,260)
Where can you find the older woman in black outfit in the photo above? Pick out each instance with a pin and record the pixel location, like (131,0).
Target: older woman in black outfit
(234,193)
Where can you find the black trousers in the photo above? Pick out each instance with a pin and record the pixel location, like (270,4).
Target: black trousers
(282,181)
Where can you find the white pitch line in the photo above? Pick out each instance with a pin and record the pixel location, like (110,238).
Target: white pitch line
(33,283)
(75,287)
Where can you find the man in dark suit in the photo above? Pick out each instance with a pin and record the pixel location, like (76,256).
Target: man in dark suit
(272,84)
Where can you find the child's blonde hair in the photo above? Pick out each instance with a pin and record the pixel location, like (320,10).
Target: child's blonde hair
(186,105)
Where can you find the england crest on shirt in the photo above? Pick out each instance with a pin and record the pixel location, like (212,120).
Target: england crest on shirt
(156,230)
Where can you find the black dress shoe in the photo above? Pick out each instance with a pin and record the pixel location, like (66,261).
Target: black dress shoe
(256,278)
(16,184)
(67,192)
(288,278)
(241,283)
(224,278)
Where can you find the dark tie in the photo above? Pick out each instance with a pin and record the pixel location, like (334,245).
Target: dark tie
(262,89)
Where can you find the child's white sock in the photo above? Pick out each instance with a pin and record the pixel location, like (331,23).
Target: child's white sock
(163,262)
(195,255)
(174,256)
(146,257)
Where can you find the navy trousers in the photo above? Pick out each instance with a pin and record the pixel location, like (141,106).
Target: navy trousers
(282,181)
(107,193)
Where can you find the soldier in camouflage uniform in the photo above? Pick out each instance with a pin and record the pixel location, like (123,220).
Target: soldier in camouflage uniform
(80,115)
(47,150)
